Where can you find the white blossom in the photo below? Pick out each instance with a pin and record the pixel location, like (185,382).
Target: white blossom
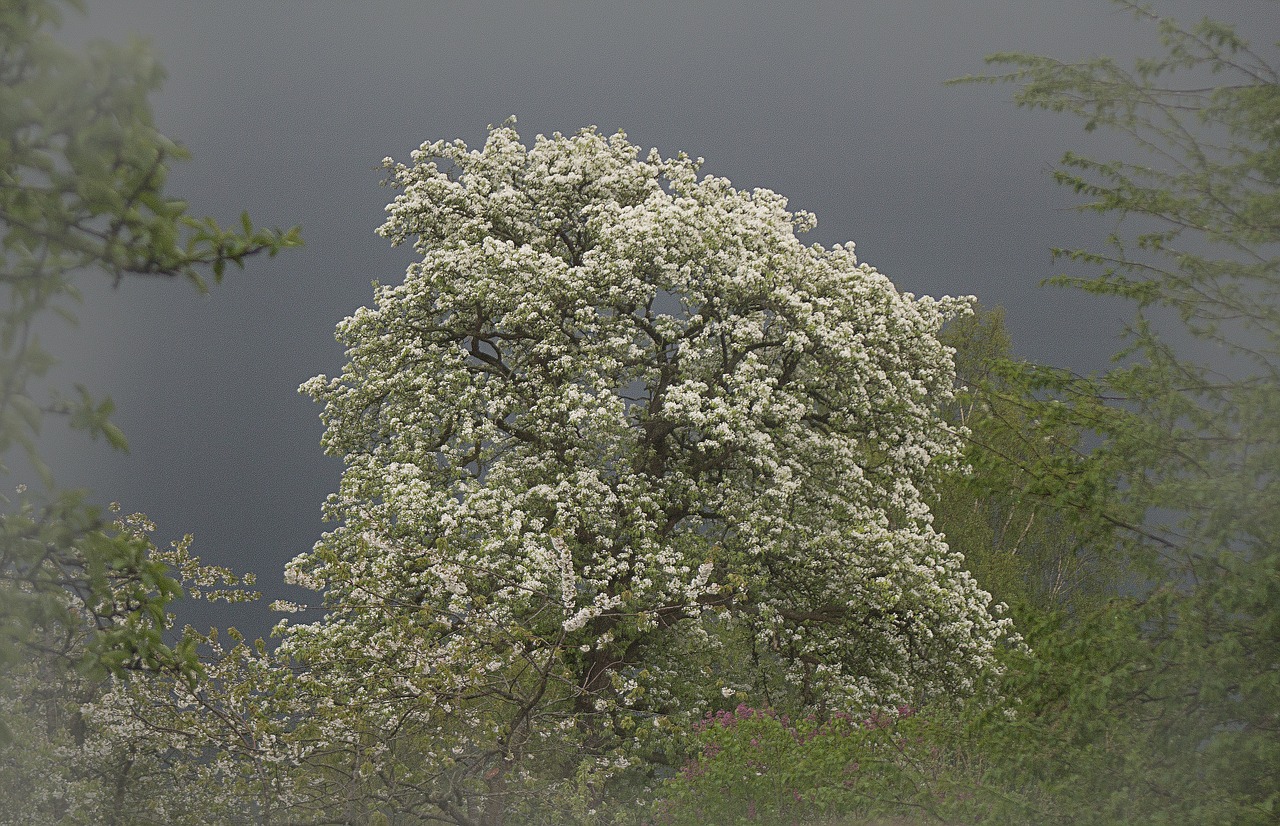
(616,418)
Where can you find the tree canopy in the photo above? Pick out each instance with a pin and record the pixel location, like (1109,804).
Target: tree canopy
(616,418)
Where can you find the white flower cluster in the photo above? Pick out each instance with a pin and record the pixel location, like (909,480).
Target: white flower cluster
(614,407)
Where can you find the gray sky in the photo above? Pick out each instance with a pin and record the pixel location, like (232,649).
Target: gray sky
(288,108)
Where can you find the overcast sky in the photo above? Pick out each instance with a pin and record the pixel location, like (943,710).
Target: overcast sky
(288,108)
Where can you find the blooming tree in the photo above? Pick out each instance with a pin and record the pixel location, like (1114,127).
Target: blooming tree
(618,448)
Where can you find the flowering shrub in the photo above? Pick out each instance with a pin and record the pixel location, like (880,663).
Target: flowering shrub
(617,427)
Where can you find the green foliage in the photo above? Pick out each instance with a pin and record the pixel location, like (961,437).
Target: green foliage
(1018,545)
(82,190)
(758,766)
(1163,704)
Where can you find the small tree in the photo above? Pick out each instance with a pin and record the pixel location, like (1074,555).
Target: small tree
(621,447)
(1165,706)
(1020,547)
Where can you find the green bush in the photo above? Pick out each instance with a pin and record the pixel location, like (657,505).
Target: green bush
(760,766)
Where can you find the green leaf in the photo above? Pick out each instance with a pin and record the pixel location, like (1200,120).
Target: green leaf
(115,437)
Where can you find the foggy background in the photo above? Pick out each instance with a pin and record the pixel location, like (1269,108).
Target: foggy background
(289,107)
